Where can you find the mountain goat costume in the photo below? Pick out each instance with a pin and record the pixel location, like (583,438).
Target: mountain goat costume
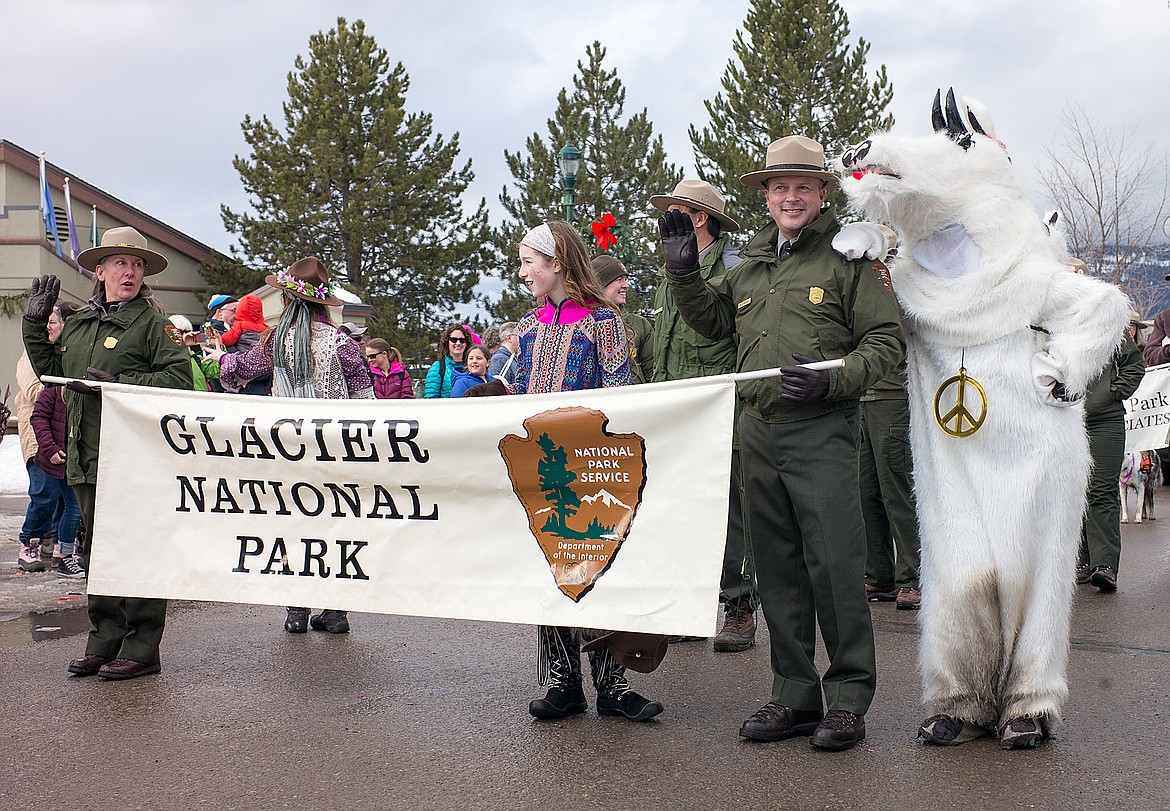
(1002,341)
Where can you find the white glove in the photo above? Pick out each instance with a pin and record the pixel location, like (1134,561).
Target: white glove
(860,239)
(1049,378)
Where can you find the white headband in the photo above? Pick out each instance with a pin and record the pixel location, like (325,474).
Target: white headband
(541,239)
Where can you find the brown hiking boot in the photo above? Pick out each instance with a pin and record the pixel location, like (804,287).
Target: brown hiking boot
(908,599)
(739,627)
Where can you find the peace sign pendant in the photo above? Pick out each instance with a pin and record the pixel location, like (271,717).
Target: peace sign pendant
(959,422)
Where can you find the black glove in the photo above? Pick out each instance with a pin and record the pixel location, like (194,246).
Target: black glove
(678,243)
(41,299)
(493,389)
(94,374)
(800,385)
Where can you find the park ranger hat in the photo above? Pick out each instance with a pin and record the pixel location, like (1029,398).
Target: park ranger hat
(127,241)
(700,195)
(794,156)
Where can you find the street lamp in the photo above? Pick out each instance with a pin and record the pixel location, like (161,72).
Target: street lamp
(568,163)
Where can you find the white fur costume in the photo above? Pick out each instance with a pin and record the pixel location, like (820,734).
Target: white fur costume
(1000,510)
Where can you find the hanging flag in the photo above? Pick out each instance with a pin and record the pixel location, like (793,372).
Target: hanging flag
(93,234)
(47,209)
(74,242)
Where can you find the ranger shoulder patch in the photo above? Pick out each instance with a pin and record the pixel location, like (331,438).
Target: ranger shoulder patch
(883,275)
(174,334)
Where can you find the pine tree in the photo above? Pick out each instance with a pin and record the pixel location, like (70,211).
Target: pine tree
(795,75)
(555,478)
(360,183)
(623,164)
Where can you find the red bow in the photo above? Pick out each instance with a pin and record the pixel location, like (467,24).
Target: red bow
(603,230)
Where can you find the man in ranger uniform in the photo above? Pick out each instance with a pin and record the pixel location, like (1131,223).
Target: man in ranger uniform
(793,298)
(679,353)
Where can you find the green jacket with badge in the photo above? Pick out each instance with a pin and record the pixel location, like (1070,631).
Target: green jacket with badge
(1106,395)
(811,300)
(132,342)
(680,352)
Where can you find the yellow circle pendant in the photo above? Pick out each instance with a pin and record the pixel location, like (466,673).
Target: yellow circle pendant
(959,421)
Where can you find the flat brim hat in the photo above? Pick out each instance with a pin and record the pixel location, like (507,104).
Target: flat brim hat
(640,652)
(608,269)
(793,156)
(126,241)
(306,279)
(699,195)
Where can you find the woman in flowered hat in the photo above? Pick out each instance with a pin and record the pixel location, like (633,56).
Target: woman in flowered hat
(307,357)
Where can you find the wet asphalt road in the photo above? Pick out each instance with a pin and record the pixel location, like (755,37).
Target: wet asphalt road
(417,713)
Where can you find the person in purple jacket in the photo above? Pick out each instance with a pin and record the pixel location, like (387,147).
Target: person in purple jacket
(391,380)
(48,424)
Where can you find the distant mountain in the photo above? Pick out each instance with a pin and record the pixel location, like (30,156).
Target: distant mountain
(606,498)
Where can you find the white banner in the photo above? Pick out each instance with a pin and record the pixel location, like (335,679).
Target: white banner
(1147,412)
(600,509)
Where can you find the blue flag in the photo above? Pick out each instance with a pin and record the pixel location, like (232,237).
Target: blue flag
(74,242)
(47,209)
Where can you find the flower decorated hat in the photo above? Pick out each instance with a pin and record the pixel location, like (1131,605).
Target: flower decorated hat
(306,279)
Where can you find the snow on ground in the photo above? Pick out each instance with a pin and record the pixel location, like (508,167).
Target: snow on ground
(13,477)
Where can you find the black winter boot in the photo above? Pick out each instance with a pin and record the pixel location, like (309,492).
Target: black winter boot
(563,655)
(614,696)
(297,621)
(335,622)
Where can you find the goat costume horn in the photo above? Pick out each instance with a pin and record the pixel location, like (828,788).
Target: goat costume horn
(953,123)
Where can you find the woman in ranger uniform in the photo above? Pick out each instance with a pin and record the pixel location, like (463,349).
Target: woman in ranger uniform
(122,336)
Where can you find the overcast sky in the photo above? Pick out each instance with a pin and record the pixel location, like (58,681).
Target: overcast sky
(144,99)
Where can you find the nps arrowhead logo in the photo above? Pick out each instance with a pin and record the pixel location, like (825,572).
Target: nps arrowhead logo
(580,486)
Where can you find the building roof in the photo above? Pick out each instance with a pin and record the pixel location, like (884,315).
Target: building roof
(152,228)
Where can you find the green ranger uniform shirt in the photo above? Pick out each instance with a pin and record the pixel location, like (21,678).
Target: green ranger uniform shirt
(1106,395)
(639,336)
(135,342)
(680,352)
(808,299)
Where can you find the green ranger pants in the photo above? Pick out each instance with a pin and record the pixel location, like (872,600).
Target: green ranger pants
(1101,528)
(807,534)
(738,581)
(887,495)
(123,627)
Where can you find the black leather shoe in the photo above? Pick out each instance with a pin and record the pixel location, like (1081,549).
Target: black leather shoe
(839,731)
(88,665)
(127,669)
(775,722)
(558,702)
(335,622)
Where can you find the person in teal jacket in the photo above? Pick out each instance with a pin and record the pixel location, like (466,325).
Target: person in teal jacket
(452,350)
(122,337)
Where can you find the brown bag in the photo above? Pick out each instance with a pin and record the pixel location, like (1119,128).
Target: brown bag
(640,652)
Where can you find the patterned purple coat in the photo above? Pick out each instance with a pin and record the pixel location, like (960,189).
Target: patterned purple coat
(569,347)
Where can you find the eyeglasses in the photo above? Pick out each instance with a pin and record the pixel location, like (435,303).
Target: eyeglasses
(376,354)
(457,340)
